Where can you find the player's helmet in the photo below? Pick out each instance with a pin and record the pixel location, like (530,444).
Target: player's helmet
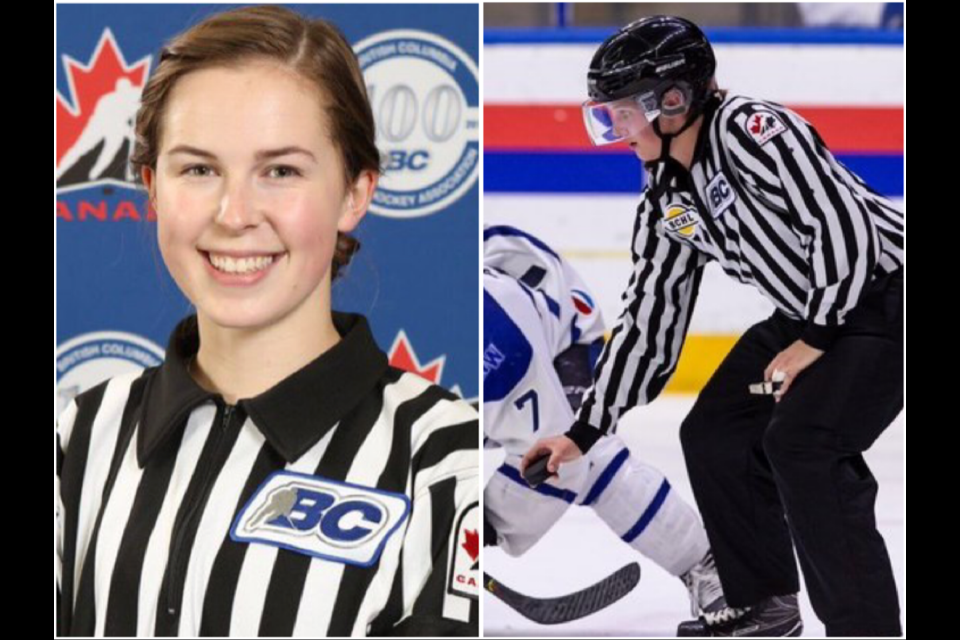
(635,67)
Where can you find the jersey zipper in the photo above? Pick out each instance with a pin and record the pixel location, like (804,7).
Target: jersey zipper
(178,559)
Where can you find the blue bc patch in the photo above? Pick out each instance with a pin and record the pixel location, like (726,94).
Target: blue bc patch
(321,518)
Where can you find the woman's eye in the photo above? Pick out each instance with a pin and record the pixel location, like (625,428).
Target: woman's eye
(283,171)
(198,171)
(204,171)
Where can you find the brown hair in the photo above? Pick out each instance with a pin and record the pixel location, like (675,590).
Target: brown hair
(313,48)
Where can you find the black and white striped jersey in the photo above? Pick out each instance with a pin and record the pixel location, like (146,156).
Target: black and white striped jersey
(767,201)
(341,502)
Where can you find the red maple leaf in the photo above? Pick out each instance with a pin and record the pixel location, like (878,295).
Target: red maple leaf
(757,125)
(88,83)
(472,543)
(402,356)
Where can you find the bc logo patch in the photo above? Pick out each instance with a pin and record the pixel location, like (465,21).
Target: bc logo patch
(321,518)
(465,568)
(720,195)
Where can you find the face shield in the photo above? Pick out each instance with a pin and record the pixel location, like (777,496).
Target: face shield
(609,122)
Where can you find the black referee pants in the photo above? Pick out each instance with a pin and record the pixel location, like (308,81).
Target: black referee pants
(753,461)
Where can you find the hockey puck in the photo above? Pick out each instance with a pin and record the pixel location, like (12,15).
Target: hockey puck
(536,472)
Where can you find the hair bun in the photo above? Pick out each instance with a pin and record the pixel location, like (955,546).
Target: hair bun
(346,247)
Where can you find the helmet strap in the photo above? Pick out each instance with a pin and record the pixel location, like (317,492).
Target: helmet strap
(672,167)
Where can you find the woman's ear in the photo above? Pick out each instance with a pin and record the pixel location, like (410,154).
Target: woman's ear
(357,199)
(147,175)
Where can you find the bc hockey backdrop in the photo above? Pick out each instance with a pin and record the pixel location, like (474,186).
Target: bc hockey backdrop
(416,274)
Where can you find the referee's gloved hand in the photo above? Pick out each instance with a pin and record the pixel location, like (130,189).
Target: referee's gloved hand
(560,448)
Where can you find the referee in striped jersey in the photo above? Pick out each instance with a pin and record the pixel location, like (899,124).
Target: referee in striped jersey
(342,502)
(780,427)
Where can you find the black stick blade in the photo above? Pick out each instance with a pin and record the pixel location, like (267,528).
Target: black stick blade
(572,606)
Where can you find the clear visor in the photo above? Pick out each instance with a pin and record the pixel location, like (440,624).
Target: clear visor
(609,122)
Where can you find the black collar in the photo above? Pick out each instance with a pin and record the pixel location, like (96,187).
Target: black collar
(293,415)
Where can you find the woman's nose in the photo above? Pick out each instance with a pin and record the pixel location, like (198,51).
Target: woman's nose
(237,208)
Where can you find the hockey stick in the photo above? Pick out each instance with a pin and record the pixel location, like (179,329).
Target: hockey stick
(572,606)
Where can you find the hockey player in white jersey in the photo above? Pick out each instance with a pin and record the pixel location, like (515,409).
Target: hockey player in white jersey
(526,328)
(581,328)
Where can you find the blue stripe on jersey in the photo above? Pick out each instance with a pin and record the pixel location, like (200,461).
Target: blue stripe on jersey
(544,489)
(648,513)
(552,305)
(604,480)
(507,353)
(505,230)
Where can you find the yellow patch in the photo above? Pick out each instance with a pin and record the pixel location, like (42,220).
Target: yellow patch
(681,219)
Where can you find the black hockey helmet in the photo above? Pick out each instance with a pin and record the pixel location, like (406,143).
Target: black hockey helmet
(641,62)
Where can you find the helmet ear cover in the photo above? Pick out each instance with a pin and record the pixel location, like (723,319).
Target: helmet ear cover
(681,106)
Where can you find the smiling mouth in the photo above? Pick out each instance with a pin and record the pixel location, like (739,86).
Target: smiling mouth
(240,265)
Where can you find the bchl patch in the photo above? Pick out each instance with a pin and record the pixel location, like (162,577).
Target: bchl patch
(681,219)
(321,518)
(720,195)
(764,126)
(465,568)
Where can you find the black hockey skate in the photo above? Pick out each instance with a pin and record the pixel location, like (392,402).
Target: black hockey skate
(778,616)
(706,595)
